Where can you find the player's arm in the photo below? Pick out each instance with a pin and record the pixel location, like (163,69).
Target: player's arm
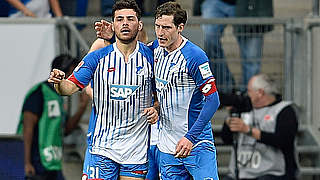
(202,75)
(185,144)
(30,120)
(21,7)
(63,86)
(98,44)
(209,108)
(55,6)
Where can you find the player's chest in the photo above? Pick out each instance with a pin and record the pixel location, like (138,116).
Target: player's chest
(120,72)
(168,66)
(171,72)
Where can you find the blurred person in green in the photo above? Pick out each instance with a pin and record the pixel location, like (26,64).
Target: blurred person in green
(43,122)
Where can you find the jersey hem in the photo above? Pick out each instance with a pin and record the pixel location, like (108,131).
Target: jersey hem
(105,153)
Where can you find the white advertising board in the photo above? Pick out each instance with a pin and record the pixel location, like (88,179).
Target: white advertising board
(25,59)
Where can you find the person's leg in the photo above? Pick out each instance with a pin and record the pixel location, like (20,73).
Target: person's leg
(212,42)
(99,167)
(251,48)
(153,165)
(172,168)
(202,162)
(60,176)
(133,171)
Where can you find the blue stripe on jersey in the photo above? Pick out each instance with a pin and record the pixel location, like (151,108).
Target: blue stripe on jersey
(100,80)
(125,105)
(106,131)
(138,65)
(98,105)
(116,108)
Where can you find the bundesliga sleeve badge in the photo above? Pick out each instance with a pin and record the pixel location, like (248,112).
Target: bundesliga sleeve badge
(205,70)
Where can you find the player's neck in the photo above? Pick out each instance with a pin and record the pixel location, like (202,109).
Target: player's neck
(126,49)
(175,45)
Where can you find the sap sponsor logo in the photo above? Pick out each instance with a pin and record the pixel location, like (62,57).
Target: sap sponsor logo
(160,84)
(79,66)
(121,92)
(205,70)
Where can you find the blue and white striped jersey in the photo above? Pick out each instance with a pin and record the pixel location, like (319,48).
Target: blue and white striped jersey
(180,76)
(121,91)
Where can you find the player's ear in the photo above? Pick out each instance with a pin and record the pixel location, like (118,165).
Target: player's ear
(112,26)
(180,27)
(140,25)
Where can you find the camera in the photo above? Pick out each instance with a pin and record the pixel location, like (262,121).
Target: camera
(234,112)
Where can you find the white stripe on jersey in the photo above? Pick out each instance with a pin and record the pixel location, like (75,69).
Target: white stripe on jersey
(174,89)
(121,92)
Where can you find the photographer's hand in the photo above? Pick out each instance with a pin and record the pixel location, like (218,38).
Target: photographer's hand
(237,125)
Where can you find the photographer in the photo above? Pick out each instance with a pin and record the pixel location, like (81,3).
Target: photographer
(264,135)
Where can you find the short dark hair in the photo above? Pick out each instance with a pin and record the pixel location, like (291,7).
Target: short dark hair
(64,62)
(126,4)
(172,9)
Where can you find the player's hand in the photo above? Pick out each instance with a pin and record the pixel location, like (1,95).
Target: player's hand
(56,76)
(104,29)
(183,148)
(29,170)
(152,115)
